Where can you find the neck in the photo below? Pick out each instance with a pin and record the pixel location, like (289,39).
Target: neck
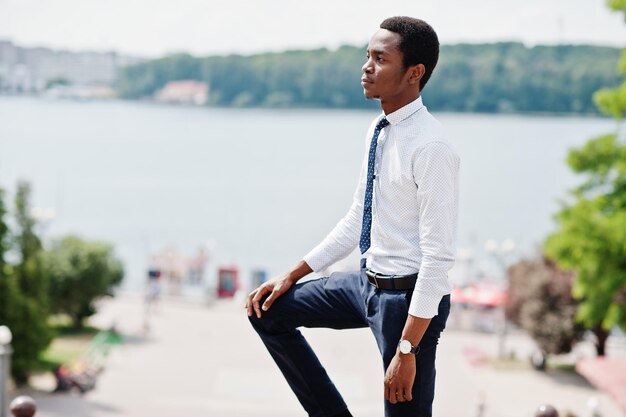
(393,104)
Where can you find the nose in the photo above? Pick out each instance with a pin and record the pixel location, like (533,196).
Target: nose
(368,67)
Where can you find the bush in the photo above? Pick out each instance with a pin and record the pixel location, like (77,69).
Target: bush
(540,301)
(81,272)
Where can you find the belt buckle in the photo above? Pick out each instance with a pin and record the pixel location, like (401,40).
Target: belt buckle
(375,283)
(374,277)
(389,279)
(376,280)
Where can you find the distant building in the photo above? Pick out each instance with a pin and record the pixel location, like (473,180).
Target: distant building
(31,70)
(89,92)
(184,92)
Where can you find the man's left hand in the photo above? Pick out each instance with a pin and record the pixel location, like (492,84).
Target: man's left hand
(399,378)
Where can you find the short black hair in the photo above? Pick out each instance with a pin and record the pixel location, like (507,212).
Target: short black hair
(419,43)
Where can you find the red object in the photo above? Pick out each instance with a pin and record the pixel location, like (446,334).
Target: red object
(227,281)
(479,295)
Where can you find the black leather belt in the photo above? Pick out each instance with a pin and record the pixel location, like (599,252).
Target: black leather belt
(391,282)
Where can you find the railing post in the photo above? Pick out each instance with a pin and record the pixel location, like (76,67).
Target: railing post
(5,368)
(546,410)
(23,406)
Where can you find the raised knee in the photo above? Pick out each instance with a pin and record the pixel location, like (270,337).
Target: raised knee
(264,323)
(256,322)
(269,325)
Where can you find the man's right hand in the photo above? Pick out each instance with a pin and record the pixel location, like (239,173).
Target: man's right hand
(275,288)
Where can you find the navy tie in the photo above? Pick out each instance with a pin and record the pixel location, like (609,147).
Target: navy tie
(364,242)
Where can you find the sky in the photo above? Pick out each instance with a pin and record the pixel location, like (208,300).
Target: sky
(205,27)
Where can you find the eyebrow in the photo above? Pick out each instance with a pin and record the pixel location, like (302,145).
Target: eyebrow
(376,51)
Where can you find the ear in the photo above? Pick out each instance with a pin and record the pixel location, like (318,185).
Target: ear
(416,72)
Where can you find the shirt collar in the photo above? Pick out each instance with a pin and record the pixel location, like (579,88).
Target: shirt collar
(405,112)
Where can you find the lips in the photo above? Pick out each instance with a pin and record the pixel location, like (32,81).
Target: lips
(365,81)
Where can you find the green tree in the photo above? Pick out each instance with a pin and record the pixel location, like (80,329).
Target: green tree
(540,302)
(592,237)
(81,272)
(4,231)
(29,270)
(8,289)
(499,77)
(23,291)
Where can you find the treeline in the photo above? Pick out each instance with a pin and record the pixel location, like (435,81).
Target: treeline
(499,77)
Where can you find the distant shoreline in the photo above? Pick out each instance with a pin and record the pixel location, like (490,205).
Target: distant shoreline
(297,107)
(479,78)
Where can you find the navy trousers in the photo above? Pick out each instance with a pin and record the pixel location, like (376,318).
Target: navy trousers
(346,301)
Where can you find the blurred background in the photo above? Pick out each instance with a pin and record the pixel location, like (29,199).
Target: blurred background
(158,160)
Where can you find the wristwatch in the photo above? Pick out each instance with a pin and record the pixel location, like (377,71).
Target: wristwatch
(406,347)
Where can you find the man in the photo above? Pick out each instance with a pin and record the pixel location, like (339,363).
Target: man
(403,218)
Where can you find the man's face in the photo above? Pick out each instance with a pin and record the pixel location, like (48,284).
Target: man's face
(384,76)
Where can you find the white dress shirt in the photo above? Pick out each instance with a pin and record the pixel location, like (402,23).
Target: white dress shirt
(414,208)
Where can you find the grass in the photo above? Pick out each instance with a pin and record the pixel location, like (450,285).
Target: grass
(508,363)
(63,350)
(62,325)
(513,363)
(68,345)
(562,366)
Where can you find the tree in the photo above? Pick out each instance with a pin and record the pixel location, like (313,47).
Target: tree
(4,231)
(8,289)
(469,77)
(540,301)
(80,272)
(29,270)
(591,240)
(23,288)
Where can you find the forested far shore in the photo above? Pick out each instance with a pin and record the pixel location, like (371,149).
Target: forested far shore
(494,78)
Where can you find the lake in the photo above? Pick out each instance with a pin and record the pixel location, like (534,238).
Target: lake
(261,187)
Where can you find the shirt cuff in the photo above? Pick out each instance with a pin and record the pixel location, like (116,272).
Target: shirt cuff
(425,306)
(426,297)
(318,259)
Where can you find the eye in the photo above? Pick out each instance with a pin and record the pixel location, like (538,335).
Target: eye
(379,59)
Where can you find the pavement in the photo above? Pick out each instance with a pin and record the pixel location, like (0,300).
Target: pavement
(205,360)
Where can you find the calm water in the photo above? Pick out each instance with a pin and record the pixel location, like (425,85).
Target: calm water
(264,186)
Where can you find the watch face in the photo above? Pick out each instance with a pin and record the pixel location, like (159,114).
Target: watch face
(405,346)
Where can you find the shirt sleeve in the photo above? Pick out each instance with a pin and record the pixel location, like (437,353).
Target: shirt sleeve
(436,174)
(345,236)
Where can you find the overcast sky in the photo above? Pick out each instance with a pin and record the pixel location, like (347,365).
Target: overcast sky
(202,27)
